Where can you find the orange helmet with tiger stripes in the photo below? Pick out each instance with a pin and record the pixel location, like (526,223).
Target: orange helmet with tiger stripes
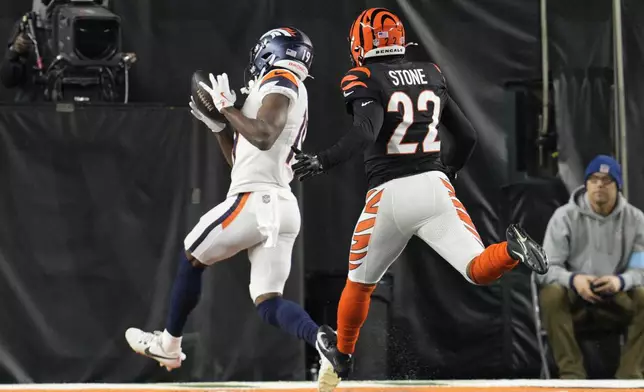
(376,32)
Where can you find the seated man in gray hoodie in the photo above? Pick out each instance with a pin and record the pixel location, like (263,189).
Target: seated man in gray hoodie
(595,245)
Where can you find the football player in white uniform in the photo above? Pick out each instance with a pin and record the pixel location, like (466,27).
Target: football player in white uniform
(260,213)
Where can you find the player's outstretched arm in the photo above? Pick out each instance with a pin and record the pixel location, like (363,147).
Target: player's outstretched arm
(263,131)
(457,144)
(368,116)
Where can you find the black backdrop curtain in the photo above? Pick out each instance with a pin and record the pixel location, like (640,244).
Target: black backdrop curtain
(97,201)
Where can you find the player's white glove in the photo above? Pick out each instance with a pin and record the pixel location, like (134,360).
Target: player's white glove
(214,126)
(220,91)
(246,90)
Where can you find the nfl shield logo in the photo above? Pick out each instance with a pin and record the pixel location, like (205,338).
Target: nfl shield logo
(266,199)
(604,168)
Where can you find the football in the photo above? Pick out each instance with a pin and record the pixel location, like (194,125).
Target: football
(202,98)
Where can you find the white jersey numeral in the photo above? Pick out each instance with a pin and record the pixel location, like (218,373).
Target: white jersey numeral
(396,146)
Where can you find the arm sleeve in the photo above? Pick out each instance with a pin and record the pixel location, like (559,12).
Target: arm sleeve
(556,244)
(358,85)
(634,274)
(368,116)
(459,139)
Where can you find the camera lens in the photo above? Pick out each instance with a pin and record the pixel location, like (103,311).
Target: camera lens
(95,39)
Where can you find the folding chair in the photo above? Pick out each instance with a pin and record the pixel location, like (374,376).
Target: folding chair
(540,332)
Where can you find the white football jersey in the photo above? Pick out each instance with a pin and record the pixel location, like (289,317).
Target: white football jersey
(256,170)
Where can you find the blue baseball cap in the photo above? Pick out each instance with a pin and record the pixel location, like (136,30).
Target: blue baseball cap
(605,164)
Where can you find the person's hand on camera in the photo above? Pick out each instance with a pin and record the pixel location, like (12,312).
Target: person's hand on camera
(22,45)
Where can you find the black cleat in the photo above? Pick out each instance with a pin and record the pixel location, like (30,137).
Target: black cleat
(334,365)
(523,248)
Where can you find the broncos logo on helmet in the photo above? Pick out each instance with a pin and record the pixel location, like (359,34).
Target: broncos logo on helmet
(285,47)
(376,32)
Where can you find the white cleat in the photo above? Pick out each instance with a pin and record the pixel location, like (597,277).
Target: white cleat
(327,377)
(149,344)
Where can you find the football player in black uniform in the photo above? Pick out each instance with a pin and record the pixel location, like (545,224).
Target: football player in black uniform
(414,139)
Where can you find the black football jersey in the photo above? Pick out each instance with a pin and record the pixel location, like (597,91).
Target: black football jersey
(412,95)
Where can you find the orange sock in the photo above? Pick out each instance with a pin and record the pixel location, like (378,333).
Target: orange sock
(491,264)
(352,313)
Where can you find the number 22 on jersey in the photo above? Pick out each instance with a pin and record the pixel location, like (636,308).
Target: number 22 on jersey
(396,146)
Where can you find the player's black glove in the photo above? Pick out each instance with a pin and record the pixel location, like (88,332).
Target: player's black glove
(307,165)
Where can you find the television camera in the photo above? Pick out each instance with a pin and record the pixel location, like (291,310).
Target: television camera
(84,39)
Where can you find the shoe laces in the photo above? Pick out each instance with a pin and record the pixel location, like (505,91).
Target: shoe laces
(148,337)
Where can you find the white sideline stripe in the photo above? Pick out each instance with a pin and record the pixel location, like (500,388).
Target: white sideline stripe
(590,384)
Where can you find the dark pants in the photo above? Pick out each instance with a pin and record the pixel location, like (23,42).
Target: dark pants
(563,312)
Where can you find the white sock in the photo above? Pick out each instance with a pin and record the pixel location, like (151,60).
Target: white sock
(169,343)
